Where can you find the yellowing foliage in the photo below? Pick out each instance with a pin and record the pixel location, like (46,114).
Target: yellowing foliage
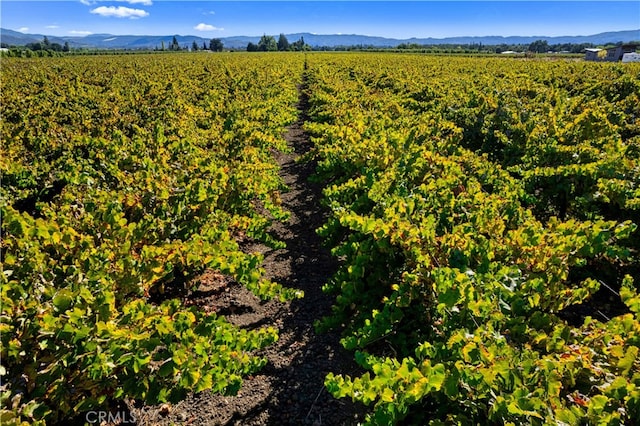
(120,177)
(473,202)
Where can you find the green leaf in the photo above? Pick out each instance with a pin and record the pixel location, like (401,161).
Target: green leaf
(437,376)
(598,403)
(629,295)
(206,382)
(387,395)
(626,363)
(166,369)
(62,300)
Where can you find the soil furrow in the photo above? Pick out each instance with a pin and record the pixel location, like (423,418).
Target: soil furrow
(289,390)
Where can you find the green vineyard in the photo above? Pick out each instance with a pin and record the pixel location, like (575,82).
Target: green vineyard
(483,212)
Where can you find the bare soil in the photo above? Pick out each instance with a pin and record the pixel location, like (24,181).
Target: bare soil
(289,390)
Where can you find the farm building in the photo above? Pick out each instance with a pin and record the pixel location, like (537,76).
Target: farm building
(612,54)
(615,54)
(592,54)
(631,57)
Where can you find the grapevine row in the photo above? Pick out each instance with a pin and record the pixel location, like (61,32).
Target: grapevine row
(123,176)
(470,200)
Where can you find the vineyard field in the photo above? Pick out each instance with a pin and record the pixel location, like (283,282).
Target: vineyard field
(122,176)
(476,205)
(483,212)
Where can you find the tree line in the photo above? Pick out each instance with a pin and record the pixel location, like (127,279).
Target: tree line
(215,45)
(538,46)
(266,44)
(41,48)
(269,44)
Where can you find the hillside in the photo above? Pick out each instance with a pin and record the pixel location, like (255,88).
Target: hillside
(109,41)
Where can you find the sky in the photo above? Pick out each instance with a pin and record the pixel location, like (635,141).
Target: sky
(394,19)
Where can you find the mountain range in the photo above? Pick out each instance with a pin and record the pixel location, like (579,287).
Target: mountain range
(110,41)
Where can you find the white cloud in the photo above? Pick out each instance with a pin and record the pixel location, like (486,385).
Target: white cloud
(120,12)
(207,27)
(23,29)
(211,12)
(80,32)
(140,2)
(52,27)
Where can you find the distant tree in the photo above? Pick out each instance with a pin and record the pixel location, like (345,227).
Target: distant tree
(44,45)
(296,45)
(174,44)
(194,46)
(409,46)
(283,43)
(539,46)
(34,46)
(66,47)
(216,45)
(162,48)
(300,45)
(204,46)
(252,47)
(267,44)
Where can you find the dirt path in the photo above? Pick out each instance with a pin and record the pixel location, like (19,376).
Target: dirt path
(289,390)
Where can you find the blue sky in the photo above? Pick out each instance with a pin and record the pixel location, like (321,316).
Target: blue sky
(380,18)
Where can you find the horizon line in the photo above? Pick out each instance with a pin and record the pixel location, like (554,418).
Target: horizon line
(323,34)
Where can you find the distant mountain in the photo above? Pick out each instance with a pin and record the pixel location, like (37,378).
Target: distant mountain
(602,38)
(354,40)
(15,38)
(109,41)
